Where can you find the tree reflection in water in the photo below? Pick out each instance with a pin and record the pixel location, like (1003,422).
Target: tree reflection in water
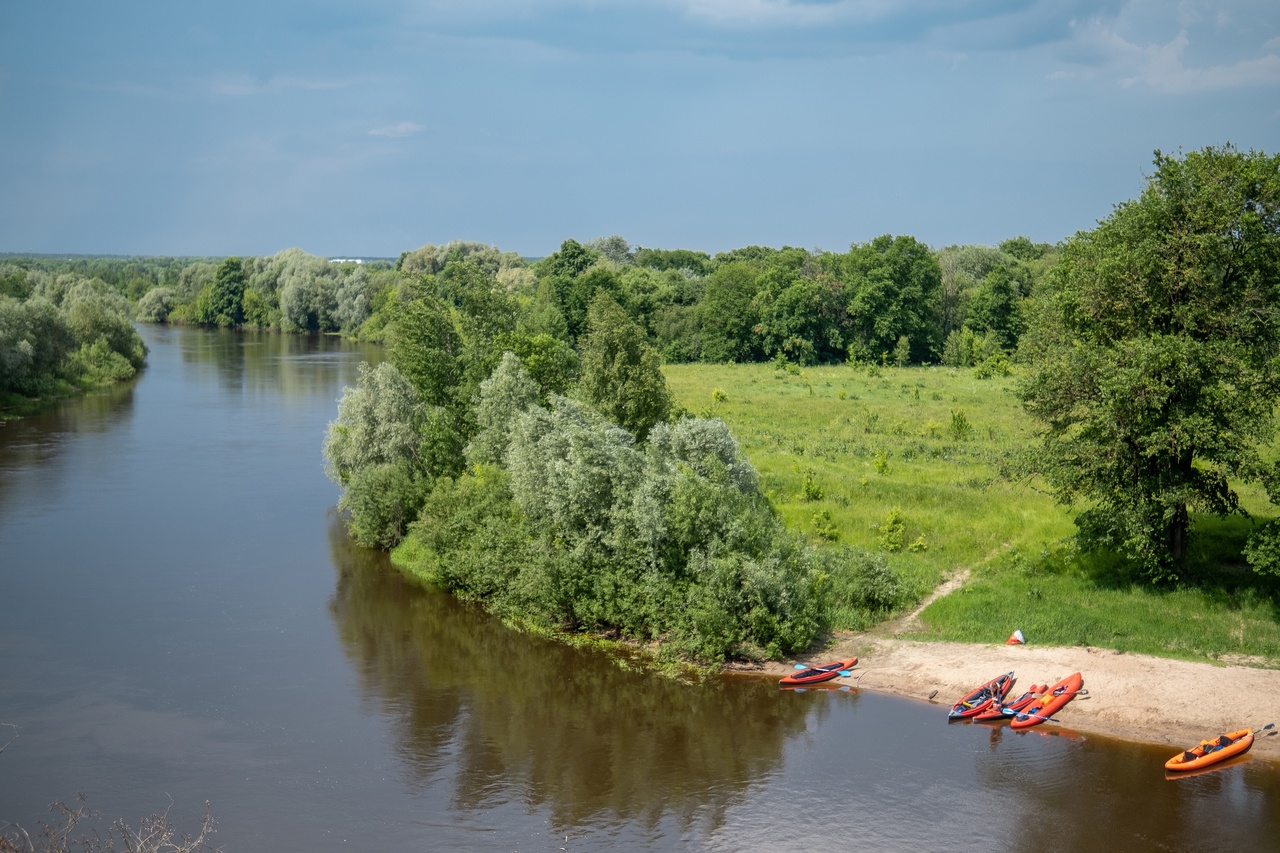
(519,718)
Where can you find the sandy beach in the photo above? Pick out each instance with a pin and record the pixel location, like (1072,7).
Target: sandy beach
(1134,697)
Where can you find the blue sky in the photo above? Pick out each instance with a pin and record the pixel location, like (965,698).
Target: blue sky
(372,128)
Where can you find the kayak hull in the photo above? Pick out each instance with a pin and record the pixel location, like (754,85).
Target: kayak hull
(1050,703)
(1209,752)
(817,674)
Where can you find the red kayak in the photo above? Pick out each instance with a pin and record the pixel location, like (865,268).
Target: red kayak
(980,698)
(816,674)
(1050,703)
(1004,710)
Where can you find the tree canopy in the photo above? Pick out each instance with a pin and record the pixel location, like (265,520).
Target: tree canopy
(1156,359)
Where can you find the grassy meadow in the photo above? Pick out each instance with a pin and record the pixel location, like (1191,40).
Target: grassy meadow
(840,448)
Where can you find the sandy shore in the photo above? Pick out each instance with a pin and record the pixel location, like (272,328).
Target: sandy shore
(1134,697)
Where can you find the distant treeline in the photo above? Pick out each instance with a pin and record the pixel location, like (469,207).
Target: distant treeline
(891,300)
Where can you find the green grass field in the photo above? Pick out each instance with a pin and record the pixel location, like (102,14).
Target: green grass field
(839,448)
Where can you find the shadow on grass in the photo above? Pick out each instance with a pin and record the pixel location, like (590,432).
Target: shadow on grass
(1215,567)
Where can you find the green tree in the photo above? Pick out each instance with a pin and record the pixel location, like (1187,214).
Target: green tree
(615,248)
(1156,359)
(996,306)
(698,263)
(507,393)
(154,307)
(426,346)
(806,321)
(894,288)
(620,371)
(227,296)
(729,315)
(380,451)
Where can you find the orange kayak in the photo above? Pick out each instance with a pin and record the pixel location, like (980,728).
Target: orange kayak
(816,674)
(1050,703)
(1211,751)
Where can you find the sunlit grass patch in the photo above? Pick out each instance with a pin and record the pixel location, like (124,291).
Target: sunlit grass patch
(1071,603)
(840,448)
(868,443)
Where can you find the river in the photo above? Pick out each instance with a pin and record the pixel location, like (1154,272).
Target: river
(182,619)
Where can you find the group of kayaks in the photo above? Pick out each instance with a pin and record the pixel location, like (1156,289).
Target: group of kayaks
(990,702)
(987,703)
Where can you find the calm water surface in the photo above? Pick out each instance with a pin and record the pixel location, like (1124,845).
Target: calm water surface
(182,616)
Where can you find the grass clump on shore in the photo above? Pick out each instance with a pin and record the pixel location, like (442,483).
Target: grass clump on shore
(907,462)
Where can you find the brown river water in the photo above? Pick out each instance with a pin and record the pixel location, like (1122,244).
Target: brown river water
(183,619)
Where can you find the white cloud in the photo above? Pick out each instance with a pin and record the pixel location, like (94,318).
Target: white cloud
(404,128)
(1163,68)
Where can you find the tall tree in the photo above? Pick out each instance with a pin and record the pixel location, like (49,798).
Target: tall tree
(1156,360)
(730,314)
(895,283)
(620,372)
(227,295)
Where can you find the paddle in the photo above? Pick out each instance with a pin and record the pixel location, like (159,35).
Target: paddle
(1036,716)
(842,672)
(1264,728)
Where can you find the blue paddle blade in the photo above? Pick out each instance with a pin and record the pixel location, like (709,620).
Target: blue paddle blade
(801,666)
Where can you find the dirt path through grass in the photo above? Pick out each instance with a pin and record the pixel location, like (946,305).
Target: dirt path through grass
(911,621)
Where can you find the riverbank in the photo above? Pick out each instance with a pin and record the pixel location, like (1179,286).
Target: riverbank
(1133,697)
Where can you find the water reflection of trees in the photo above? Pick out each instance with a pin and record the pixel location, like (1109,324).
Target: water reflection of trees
(37,440)
(289,365)
(518,718)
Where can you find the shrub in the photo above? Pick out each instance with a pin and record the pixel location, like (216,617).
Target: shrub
(892,531)
(98,361)
(155,306)
(383,499)
(960,428)
(863,579)
(809,489)
(1263,549)
(824,527)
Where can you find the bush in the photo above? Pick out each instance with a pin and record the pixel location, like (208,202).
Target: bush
(99,362)
(892,531)
(861,582)
(383,500)
(960,428)
(1263,549)
(809,488)
(155,306)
